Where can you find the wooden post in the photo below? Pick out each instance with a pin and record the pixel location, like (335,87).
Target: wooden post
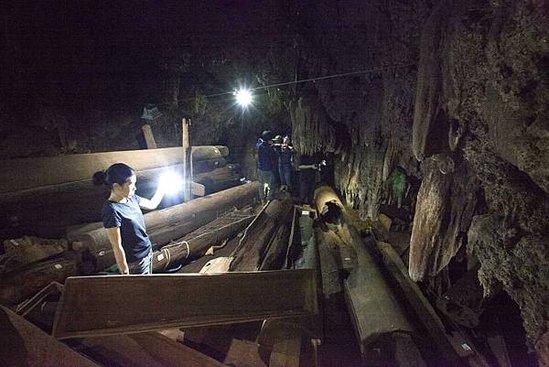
(185,142)
(149,137)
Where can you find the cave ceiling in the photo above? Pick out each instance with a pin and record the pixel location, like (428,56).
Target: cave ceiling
(456,93)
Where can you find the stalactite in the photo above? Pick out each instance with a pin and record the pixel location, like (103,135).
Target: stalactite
(311,126)
(445,206)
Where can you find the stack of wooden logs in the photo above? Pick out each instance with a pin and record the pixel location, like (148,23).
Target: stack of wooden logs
(44,196)
(91,252)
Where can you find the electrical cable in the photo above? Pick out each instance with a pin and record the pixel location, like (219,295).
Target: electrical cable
(372,70)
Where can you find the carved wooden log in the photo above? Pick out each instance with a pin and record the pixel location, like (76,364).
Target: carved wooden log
(208,165)
(421,306)
(373,307)
(198,245)
(275,253)
(47,211)
(150,349)
(19,285)
(77,167)
(220,178)
(174,222)
(95,251)
(252,246)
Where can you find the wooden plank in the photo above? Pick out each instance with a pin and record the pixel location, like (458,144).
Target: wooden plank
(149,137)
(186,159)
(17,286)
(150,349)
(56,170)
(108,305)
(281,339)
(243,353)
(53,288)
(252,246)
(450,349)
(24,344)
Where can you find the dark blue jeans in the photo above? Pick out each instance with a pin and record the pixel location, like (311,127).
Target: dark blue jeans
(267,187)
(141,266)
(285,173)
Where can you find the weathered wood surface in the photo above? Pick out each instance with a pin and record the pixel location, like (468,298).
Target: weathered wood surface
(450,345)
(243,353)
(109,305)
(374,309)
(176,221)
(17,286)
(95,252)
(208,165)
(197,246)
(281,341)
(219,178)
(24,344)
(252,246)
(150,349)
(373,305)
(23,251)
(150,142)
(48,210)
(277,251)
(77,167)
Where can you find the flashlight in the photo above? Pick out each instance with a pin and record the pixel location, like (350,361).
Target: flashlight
(171,183)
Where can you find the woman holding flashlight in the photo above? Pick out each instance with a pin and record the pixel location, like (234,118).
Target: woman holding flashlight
(124,221)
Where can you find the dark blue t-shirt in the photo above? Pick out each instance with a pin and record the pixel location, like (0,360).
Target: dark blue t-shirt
(285,157)
(129,218)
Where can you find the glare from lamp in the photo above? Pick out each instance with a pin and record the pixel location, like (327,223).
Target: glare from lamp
(171,183)
(243,97)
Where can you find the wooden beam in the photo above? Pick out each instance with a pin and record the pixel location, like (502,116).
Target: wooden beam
(373,305)
(450,346)
(197,246)
(24,344)
(281,339)
(186,159)
(17,286)
(56,170)
(251,249)
(150,349)
(174,222)
(109,305)
(149,136)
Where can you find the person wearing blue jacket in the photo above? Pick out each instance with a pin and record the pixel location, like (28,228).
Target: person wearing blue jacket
(265,165)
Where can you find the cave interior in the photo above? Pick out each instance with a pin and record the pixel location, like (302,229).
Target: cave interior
(432,117)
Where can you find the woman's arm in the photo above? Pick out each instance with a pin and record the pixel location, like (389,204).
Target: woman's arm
(116,242)
(153,202)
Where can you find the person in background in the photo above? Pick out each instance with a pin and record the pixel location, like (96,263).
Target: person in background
(124,221)
(277,144)
(285,164)
(265,165)
(398,186)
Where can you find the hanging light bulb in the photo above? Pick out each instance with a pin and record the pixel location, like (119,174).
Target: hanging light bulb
(243,97)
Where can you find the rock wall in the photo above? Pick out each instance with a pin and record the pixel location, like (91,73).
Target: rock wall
(462,87)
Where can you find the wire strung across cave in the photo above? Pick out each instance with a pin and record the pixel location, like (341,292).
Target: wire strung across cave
(315,79)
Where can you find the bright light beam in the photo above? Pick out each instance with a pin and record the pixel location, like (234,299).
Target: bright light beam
(243,97)
(171,182)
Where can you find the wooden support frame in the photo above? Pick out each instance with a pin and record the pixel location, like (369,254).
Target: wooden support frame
(109,305)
